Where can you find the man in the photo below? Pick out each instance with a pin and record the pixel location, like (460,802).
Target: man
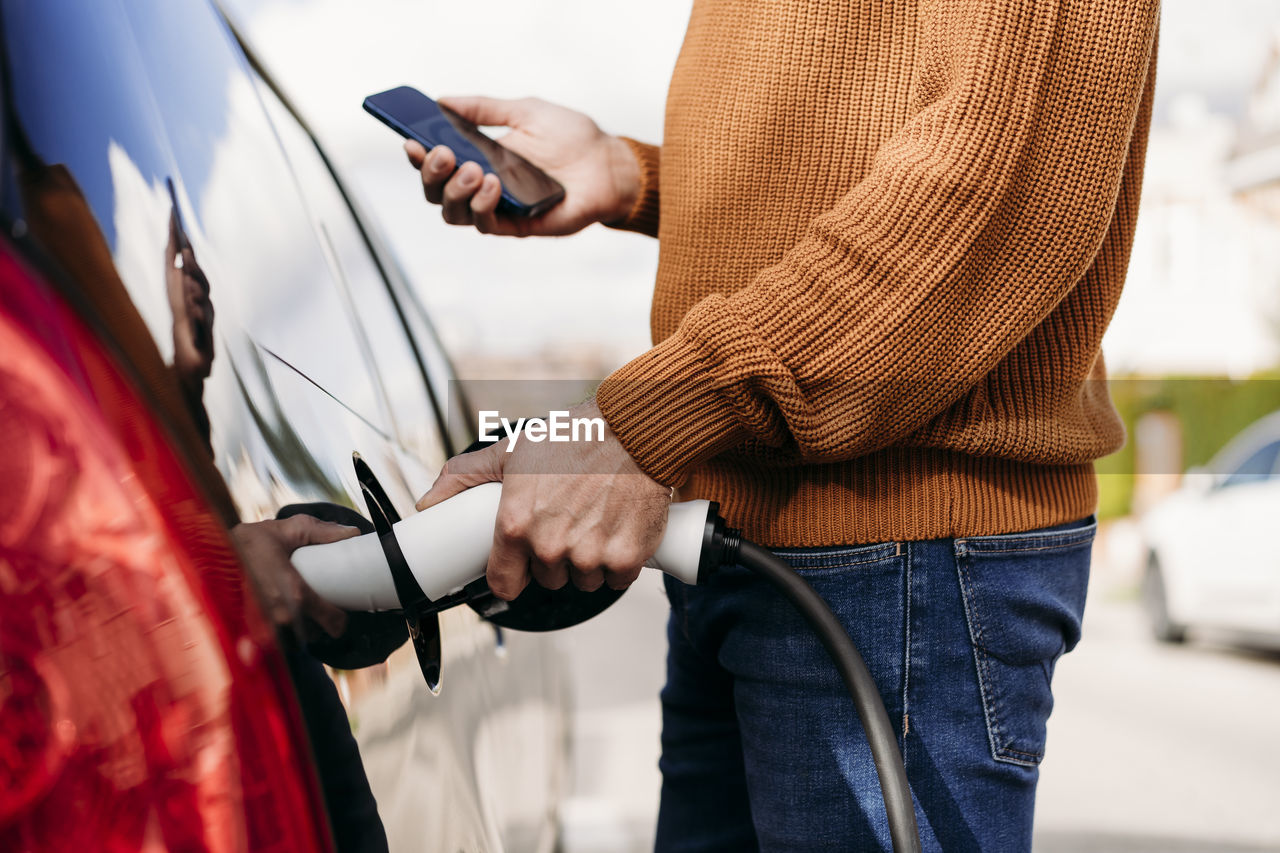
(892,235)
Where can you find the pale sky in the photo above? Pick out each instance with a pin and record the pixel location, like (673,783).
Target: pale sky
(613,61)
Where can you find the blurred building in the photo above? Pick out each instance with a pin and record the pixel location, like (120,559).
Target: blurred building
(1254,170)
(1201,297)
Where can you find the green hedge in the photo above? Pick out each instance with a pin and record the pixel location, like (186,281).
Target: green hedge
(1211,411)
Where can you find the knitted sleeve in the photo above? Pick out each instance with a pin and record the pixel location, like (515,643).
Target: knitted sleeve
(974,221)
(644,213)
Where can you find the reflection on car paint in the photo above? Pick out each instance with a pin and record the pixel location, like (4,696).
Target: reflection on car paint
(153,166)
(190,301)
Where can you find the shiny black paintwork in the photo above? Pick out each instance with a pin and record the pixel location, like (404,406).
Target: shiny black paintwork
(296,342)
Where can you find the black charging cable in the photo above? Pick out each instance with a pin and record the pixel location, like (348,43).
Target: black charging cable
(726,547)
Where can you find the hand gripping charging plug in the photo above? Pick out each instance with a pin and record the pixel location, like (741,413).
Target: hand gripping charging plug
(437,559)
(446,548)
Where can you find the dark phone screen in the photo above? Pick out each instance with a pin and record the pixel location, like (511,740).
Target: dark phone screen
(417,116)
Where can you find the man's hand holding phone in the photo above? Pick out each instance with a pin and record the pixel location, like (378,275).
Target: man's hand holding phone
(599,173)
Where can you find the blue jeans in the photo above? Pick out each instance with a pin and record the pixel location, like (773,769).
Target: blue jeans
(761,746)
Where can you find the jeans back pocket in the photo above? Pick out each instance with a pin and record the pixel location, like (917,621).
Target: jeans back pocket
(1024,598)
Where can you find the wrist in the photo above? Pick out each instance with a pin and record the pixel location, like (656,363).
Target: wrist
(625,177)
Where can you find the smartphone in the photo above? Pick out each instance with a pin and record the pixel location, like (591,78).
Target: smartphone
(526,189)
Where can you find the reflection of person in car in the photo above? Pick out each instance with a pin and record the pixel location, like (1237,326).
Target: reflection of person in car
(264,545)
(265,548)
(188,292)
(59,217)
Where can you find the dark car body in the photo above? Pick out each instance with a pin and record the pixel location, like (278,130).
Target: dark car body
(169,214)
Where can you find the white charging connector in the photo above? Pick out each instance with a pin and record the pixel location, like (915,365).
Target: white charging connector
(447,547)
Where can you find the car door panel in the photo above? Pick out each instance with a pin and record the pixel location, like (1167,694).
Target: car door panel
(301,358)
(1246,564)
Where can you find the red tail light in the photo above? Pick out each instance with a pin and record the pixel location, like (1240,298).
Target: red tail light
(143,704)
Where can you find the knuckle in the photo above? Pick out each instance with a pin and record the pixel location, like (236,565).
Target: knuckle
(296,526)
(548,553)
(513,526)
(624,558)
(585,558)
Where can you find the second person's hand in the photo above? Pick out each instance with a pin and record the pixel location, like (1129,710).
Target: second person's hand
(266,546)
(598,171)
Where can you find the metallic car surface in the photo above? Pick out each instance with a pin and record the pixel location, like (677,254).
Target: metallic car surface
(297,344)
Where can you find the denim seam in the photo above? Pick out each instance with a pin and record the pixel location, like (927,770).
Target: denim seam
(1032,757)
(987,684)
(1056,547)
(975,635)
(821,571)
(906,651)
(1028,542)
(886,551)
(842,565)
(684,616)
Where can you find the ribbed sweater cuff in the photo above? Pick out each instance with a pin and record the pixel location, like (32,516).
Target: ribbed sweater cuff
(666,411)
(644,213)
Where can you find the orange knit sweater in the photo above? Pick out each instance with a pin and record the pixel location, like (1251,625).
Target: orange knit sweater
(892,234)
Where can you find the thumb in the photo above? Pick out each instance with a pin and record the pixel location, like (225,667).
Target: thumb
(491,111)
(465,471)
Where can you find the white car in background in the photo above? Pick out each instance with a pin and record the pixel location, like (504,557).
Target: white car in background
(1213,558)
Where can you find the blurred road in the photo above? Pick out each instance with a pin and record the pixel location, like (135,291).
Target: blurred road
(1151,748)
(1160,748)
(617,666)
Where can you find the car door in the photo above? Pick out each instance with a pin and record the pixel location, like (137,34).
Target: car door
(143,161)
(1240,586)
(403,364)
(143,114)
(499,703)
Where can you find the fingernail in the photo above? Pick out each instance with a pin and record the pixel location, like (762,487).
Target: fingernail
(466,179)
(436,160)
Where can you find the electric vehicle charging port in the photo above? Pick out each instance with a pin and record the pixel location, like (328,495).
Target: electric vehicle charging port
(421,618)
